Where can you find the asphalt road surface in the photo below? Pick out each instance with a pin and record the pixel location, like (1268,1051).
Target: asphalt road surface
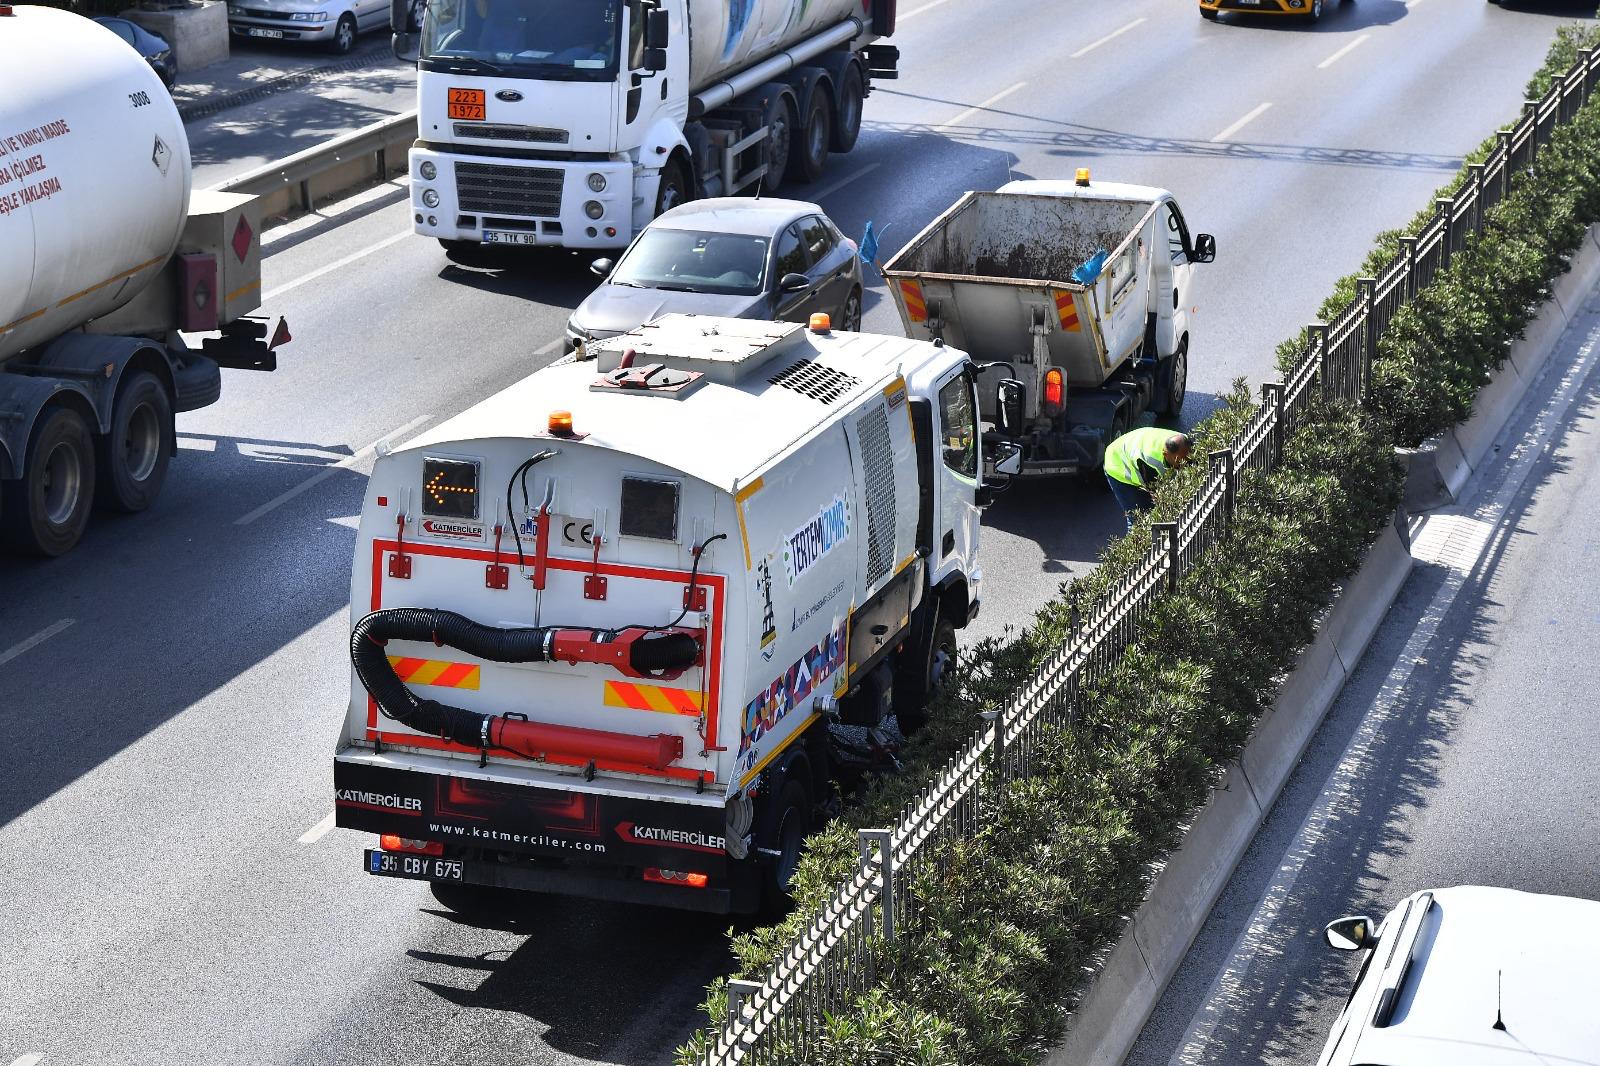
(1461,751)
(171,692)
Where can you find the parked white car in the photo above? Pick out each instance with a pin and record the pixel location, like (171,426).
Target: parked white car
(333,24)
(1472,976)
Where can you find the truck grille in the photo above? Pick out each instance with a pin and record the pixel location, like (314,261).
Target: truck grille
(821,383)
(484,188)
(489,131)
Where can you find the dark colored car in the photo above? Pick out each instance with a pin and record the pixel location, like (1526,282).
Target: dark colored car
(735,257)
(155,49)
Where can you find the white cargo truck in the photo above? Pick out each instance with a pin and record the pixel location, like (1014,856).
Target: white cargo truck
(573,123)
(603,621)
(1080,294)
(105,256)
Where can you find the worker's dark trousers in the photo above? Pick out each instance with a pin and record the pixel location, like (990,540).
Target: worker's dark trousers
(1131,498)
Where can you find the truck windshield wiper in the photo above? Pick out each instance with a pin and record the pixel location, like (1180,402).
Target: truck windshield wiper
(468,65)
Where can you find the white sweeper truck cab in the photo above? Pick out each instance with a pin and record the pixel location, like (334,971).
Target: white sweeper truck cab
(602,621)
(573,123)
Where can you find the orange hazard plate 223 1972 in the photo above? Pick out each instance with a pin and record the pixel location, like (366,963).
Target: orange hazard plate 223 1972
(467,104)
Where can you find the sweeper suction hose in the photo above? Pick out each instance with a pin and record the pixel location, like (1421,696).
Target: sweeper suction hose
(637,652)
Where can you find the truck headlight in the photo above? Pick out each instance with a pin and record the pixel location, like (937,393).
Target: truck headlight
(594,209)
(430,198)
(428,170)
(597,183)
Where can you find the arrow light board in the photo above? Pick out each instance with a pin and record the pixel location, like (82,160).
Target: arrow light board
(450,488)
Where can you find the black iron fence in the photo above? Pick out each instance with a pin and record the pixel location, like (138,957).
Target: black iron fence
(781,1017)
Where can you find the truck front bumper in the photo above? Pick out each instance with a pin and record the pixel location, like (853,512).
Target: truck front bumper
(542,202)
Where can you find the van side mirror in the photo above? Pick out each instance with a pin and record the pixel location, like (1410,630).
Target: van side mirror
(602,268)
(656,32)
(1009,397)
(794,283)
(1205,249)
(1349,934)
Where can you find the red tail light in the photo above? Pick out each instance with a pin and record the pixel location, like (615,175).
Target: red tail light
(396,842)
(1055,391)
(688,879)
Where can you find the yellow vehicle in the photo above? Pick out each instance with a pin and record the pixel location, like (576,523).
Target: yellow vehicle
(1309,10)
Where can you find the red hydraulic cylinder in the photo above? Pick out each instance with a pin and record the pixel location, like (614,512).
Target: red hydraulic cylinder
(538,740)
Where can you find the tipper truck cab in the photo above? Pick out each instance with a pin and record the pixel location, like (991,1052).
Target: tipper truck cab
(107,260)
(573,123)
(1080,294)
(603,621)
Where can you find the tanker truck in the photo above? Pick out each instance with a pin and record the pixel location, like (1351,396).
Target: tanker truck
(107,260)
(573,123)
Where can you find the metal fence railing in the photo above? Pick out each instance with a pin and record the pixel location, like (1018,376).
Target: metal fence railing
(781,1018)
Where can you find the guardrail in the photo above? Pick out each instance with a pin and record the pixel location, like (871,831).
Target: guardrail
(781,1018)
(370,154)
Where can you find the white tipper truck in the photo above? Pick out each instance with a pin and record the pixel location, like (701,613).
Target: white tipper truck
(603,621)
(1080,293)
(573,123)
(105,257)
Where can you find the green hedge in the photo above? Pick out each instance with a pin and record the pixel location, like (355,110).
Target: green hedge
(1027,904)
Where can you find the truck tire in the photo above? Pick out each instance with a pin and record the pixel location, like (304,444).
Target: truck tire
(674,188)
(920,675)
(45,511)
(809,147)
(785,826)
(850,96)
(1172,382)
(132,458)
(777,115)
(197,381)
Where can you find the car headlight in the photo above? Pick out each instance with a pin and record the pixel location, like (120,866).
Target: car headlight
(430,198)
(428,170)
(309,16)
(597,183)
(594,209)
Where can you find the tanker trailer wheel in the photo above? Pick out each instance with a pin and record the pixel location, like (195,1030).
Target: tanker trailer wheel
(344,35)
(809,147)
(45,511)
(777,115)
(132,458)
(921,674)
(1172,381)
(783,837)
(851,93)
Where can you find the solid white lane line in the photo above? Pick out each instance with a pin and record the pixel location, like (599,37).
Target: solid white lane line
(34,641)
(337,265)
(969,112)
(318,831)
(914,13)
(842,182)
(1341,53)
(1456,542)
(1254,114)
(1113,35)
(197,444)
(323,475)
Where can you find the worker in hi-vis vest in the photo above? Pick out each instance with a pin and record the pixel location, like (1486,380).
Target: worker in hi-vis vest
(1135,460)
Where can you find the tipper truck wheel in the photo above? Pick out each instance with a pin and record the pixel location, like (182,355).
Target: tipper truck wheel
(1172,382)
(132,458)
(45,511)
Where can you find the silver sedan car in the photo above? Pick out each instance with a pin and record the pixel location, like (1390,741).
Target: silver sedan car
(333,24)
(735,257)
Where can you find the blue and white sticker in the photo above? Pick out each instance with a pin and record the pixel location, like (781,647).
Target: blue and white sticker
(810,544)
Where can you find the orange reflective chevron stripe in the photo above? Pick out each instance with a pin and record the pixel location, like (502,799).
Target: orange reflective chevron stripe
(1067,310)
(435,672)
(652,698)
(916,306)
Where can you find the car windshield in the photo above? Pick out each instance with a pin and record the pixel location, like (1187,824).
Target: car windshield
(560,39)
(681,260)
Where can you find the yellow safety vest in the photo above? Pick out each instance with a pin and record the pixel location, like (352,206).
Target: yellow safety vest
(1124,453)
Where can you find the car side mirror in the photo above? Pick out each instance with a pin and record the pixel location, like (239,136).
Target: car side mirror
(1349,934)
(1205,248)
(1009,397)
(794,283)
(656,31)
(602,268)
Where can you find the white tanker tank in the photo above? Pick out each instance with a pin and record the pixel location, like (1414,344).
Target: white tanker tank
(106,259)
(94,175)
(728,35)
